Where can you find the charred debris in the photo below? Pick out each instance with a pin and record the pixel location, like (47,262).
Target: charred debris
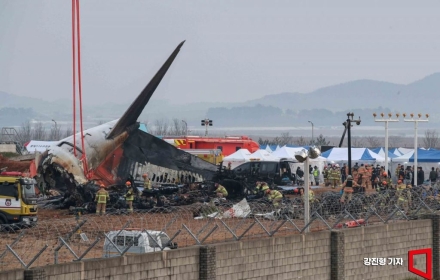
(164,195)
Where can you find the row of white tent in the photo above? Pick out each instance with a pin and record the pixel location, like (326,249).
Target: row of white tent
(426,158)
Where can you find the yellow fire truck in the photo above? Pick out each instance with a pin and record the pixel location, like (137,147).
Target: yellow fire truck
(18,199)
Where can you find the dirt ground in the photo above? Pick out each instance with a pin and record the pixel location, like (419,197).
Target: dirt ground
(179,223)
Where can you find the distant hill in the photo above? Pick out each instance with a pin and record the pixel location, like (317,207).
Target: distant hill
(329,104)
(366,96)
(362,94)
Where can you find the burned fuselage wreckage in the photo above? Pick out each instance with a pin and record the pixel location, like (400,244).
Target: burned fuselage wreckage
(115,152)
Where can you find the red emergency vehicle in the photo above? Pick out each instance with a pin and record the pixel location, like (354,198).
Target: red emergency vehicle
(228,144)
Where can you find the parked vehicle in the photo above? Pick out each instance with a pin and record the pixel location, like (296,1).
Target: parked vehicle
(18,199)
(138,242)
(275,172)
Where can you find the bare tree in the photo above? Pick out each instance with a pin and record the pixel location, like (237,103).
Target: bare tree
(178,127)
(285,139)
(67,132)
(301,141)
(262,141)
(395,141)
(39,132)
(372,142)
(276,141)
(161,127)
(431,139)
(24,133)
(320,141)
(357,142)
(55,133)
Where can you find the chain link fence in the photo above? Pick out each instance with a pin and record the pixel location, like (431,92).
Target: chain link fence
(66,238)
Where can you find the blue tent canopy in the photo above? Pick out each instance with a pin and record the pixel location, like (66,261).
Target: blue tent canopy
(426,156)
(341,154)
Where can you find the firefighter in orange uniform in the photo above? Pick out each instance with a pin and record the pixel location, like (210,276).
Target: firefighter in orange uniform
(147,182)
(361,175)
(101,198)
(129,196)
(368,174)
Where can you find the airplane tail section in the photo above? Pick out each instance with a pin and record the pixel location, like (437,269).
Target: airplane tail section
(142,147)
(131,115)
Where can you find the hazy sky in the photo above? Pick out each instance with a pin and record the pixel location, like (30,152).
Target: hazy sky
(235,50)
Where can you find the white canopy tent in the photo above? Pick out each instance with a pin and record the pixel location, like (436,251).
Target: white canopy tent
(380,158)
(237,158)
(284,152)
(263,155)
(404,151)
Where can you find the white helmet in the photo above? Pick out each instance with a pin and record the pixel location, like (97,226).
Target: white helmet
(337,165)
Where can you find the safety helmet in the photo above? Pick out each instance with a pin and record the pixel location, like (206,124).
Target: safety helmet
(349,177)
(128,183)
(102,186)
(268,191)
(145,175)
(385,174)
(337,165)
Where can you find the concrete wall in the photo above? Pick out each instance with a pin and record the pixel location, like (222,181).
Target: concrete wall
(17,274)
(322,255)
(291,257)
(8,148)
(385,241)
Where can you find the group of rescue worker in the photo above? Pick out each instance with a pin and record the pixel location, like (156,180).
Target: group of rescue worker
(362,177)
(102,196)
(365,176)
(261,190)
(402,190)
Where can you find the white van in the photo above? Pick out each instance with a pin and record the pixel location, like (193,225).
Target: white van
(143,242)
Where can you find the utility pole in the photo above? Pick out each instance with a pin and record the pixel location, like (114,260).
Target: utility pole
(415,121)
(386,121)
(313,139)
(206,123)
(347,124)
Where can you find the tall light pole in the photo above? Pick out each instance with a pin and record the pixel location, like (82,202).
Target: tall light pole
(312,132)
(206,123)
(303,156)
(415,121)
(55,123)
(386,121)
(186,128)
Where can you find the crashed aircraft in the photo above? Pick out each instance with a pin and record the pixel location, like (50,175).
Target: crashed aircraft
(118,150)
